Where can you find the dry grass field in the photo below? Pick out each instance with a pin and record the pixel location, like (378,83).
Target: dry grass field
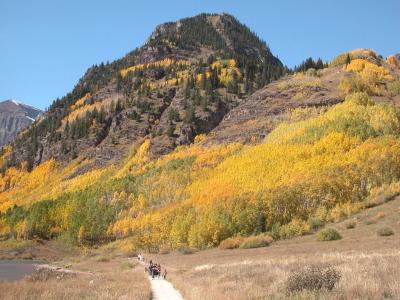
(103,278)
(369,264)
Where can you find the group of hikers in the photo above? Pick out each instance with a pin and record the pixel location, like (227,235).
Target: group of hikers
(153,269)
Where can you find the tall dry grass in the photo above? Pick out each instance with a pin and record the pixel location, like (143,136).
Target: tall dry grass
(130,284)
(364,275)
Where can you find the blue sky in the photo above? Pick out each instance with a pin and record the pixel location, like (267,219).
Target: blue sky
(46,45)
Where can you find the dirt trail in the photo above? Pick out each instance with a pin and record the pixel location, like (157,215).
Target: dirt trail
(163,290)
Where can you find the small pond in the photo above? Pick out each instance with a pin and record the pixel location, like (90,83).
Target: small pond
(16,269)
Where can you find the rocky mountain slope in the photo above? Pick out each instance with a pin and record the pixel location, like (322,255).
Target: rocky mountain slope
(14,117)
(181,83)
(253,119)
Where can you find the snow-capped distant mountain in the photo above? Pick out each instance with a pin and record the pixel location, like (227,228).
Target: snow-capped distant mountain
(15,116)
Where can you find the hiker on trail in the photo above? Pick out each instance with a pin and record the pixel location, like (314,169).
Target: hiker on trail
(153,271)
(165,273)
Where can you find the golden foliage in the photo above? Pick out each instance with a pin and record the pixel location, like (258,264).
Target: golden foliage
(296,227)
(82,110)
(4,228)
(224,63)
(295,171)
(227,70)
(136,161)
(322,164)
(354,54)
(354,84)
(199,77)
(357,109)
(167,62)
(22,229)
(80,102)
(199,138)
(6,152)
(371,74)
(48,180)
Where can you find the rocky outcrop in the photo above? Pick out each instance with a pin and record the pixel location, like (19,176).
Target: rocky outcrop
(253,119)
(14,117)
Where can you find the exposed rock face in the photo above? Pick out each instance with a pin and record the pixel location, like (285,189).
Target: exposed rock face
(253,119)
(14,117)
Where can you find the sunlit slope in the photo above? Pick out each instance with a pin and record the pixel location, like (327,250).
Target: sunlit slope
(317,165)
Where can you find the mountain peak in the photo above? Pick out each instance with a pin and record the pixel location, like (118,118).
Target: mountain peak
(219,32)
(15,116)
(179,84)
(14,101)
(10,102)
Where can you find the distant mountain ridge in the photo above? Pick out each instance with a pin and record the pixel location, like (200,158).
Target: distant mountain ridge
(15,116)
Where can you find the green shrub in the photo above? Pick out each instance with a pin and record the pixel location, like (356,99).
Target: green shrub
(275,228)
(255,242)
(328,234)
(359,98)
(385,231)
(296,227)
(311,72)
(353,85)
(315,222)
(231,243)
(313,278)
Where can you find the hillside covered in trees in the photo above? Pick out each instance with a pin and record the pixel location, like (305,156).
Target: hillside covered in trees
(193,139)
(180,83)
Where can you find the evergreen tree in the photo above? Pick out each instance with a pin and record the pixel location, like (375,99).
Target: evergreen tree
(348,59)
(170,130)
(190,115)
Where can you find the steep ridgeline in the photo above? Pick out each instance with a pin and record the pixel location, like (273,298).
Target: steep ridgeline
(181,83)
(14,117)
